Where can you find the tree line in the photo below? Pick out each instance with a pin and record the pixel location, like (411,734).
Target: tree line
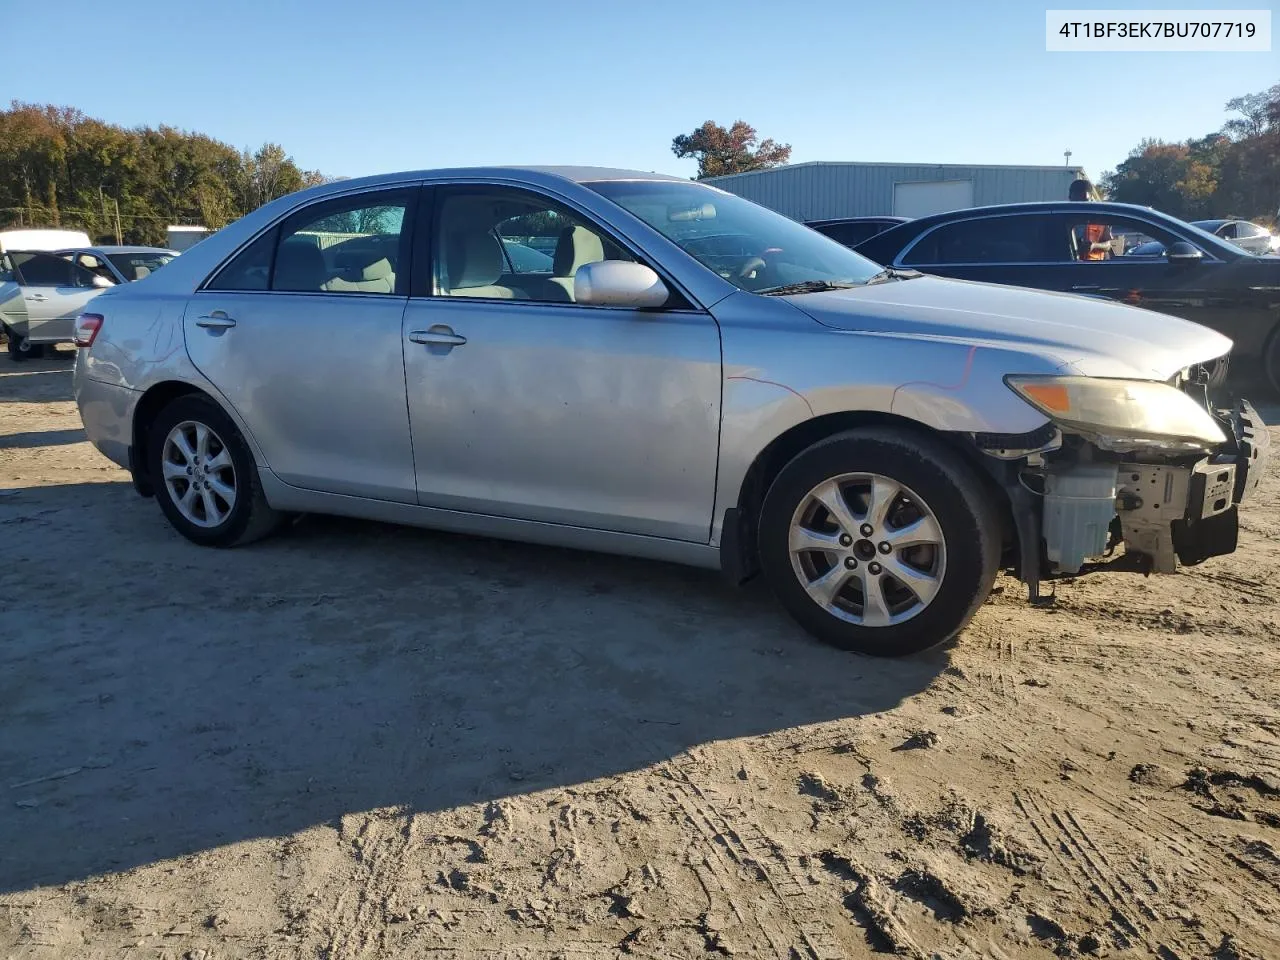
(1231,172)
(60,168)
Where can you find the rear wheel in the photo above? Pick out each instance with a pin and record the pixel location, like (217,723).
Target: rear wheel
(880,542)
(20,348)
(204,475)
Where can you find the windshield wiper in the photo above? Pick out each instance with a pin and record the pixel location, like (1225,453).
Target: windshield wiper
(889,273)
(804,286)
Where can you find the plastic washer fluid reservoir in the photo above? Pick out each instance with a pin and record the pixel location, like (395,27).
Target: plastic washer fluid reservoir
(1079,504)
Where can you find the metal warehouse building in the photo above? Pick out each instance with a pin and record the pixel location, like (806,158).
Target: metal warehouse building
(822,191)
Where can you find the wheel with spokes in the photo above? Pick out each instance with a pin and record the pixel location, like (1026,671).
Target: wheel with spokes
(880,542)
(204,475)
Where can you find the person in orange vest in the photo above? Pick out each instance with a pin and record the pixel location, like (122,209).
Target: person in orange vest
(1093,240)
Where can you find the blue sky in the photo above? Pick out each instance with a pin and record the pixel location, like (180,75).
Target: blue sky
(361,86)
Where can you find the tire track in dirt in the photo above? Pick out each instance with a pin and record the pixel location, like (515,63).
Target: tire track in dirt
(357,923)
(806,933)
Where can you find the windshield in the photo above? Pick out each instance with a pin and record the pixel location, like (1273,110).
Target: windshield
(752,247)
(135,266)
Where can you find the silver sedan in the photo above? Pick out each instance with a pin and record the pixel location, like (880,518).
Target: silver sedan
(627,362)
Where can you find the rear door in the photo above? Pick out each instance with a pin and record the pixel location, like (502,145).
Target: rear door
(54,292)
(300,333)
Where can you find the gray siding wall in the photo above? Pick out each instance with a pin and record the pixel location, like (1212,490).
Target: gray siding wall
(825,190)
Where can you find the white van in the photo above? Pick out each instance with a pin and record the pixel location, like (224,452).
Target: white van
(42,239)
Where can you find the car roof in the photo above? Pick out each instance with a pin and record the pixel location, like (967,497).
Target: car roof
(870,218)
(875,246)
(115,249)
(577,174)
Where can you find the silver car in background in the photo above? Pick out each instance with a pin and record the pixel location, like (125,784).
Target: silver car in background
(879,444)
(42,292)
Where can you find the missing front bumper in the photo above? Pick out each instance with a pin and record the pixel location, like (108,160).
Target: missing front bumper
(1165,514)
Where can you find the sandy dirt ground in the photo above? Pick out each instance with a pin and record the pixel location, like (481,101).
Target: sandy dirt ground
(359,741)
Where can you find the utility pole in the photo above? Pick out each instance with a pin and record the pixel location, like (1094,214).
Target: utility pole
(119,235)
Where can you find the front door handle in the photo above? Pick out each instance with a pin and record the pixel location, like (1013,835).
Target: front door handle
(38,297)
(215,321)
(438,335)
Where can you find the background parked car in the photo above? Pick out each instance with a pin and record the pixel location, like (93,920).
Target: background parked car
(120,264)
(851,231)
(1247,236)
(1193,274)
(41,294)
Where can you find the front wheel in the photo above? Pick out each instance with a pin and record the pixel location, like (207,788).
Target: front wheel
(880,542)
(204,475)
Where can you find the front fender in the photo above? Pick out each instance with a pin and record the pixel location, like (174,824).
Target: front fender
(780,376)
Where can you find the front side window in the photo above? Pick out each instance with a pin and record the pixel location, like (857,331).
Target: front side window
(135,266)
(1022,238)
(505,244)
(48,270)
(751,246)
(1092,236)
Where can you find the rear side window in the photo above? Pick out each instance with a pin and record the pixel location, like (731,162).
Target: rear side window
(850,234)
(1013,239)
(251,269)
(1244,230)
(346,245)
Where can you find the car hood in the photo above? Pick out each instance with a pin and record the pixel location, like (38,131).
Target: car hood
(1097,337)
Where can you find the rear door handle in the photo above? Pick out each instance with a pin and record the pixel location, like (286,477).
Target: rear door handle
(215,321)
(38,297)
(441,335)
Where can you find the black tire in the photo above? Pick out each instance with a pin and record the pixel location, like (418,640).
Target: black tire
(250,517)
(962,506)
(1271,360)
(22,349)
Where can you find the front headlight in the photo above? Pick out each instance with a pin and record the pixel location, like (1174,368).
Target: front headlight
(1119,414)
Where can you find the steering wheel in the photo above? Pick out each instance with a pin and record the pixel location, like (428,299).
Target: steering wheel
(751,265)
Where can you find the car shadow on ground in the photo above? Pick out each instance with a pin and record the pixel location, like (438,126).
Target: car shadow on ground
(41,438)
(159,699)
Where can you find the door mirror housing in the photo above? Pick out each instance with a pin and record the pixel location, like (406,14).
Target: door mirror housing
(1183,252)
(101,282)
(619,283)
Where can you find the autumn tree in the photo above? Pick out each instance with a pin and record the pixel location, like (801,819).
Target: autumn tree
(60,168)
(738,149)
(1234,172)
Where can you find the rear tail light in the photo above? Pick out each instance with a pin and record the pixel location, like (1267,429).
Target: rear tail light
(87,327)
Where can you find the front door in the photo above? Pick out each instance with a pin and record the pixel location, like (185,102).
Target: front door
(301,334)
(527,405)
(1209,290)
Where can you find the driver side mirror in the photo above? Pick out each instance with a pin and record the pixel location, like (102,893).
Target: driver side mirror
(101,282)
(1183,252)
(619,283)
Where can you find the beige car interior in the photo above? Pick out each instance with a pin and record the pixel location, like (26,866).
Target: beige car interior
(473,263)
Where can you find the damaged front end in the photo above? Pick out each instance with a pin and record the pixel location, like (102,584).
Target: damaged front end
(1157,468)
